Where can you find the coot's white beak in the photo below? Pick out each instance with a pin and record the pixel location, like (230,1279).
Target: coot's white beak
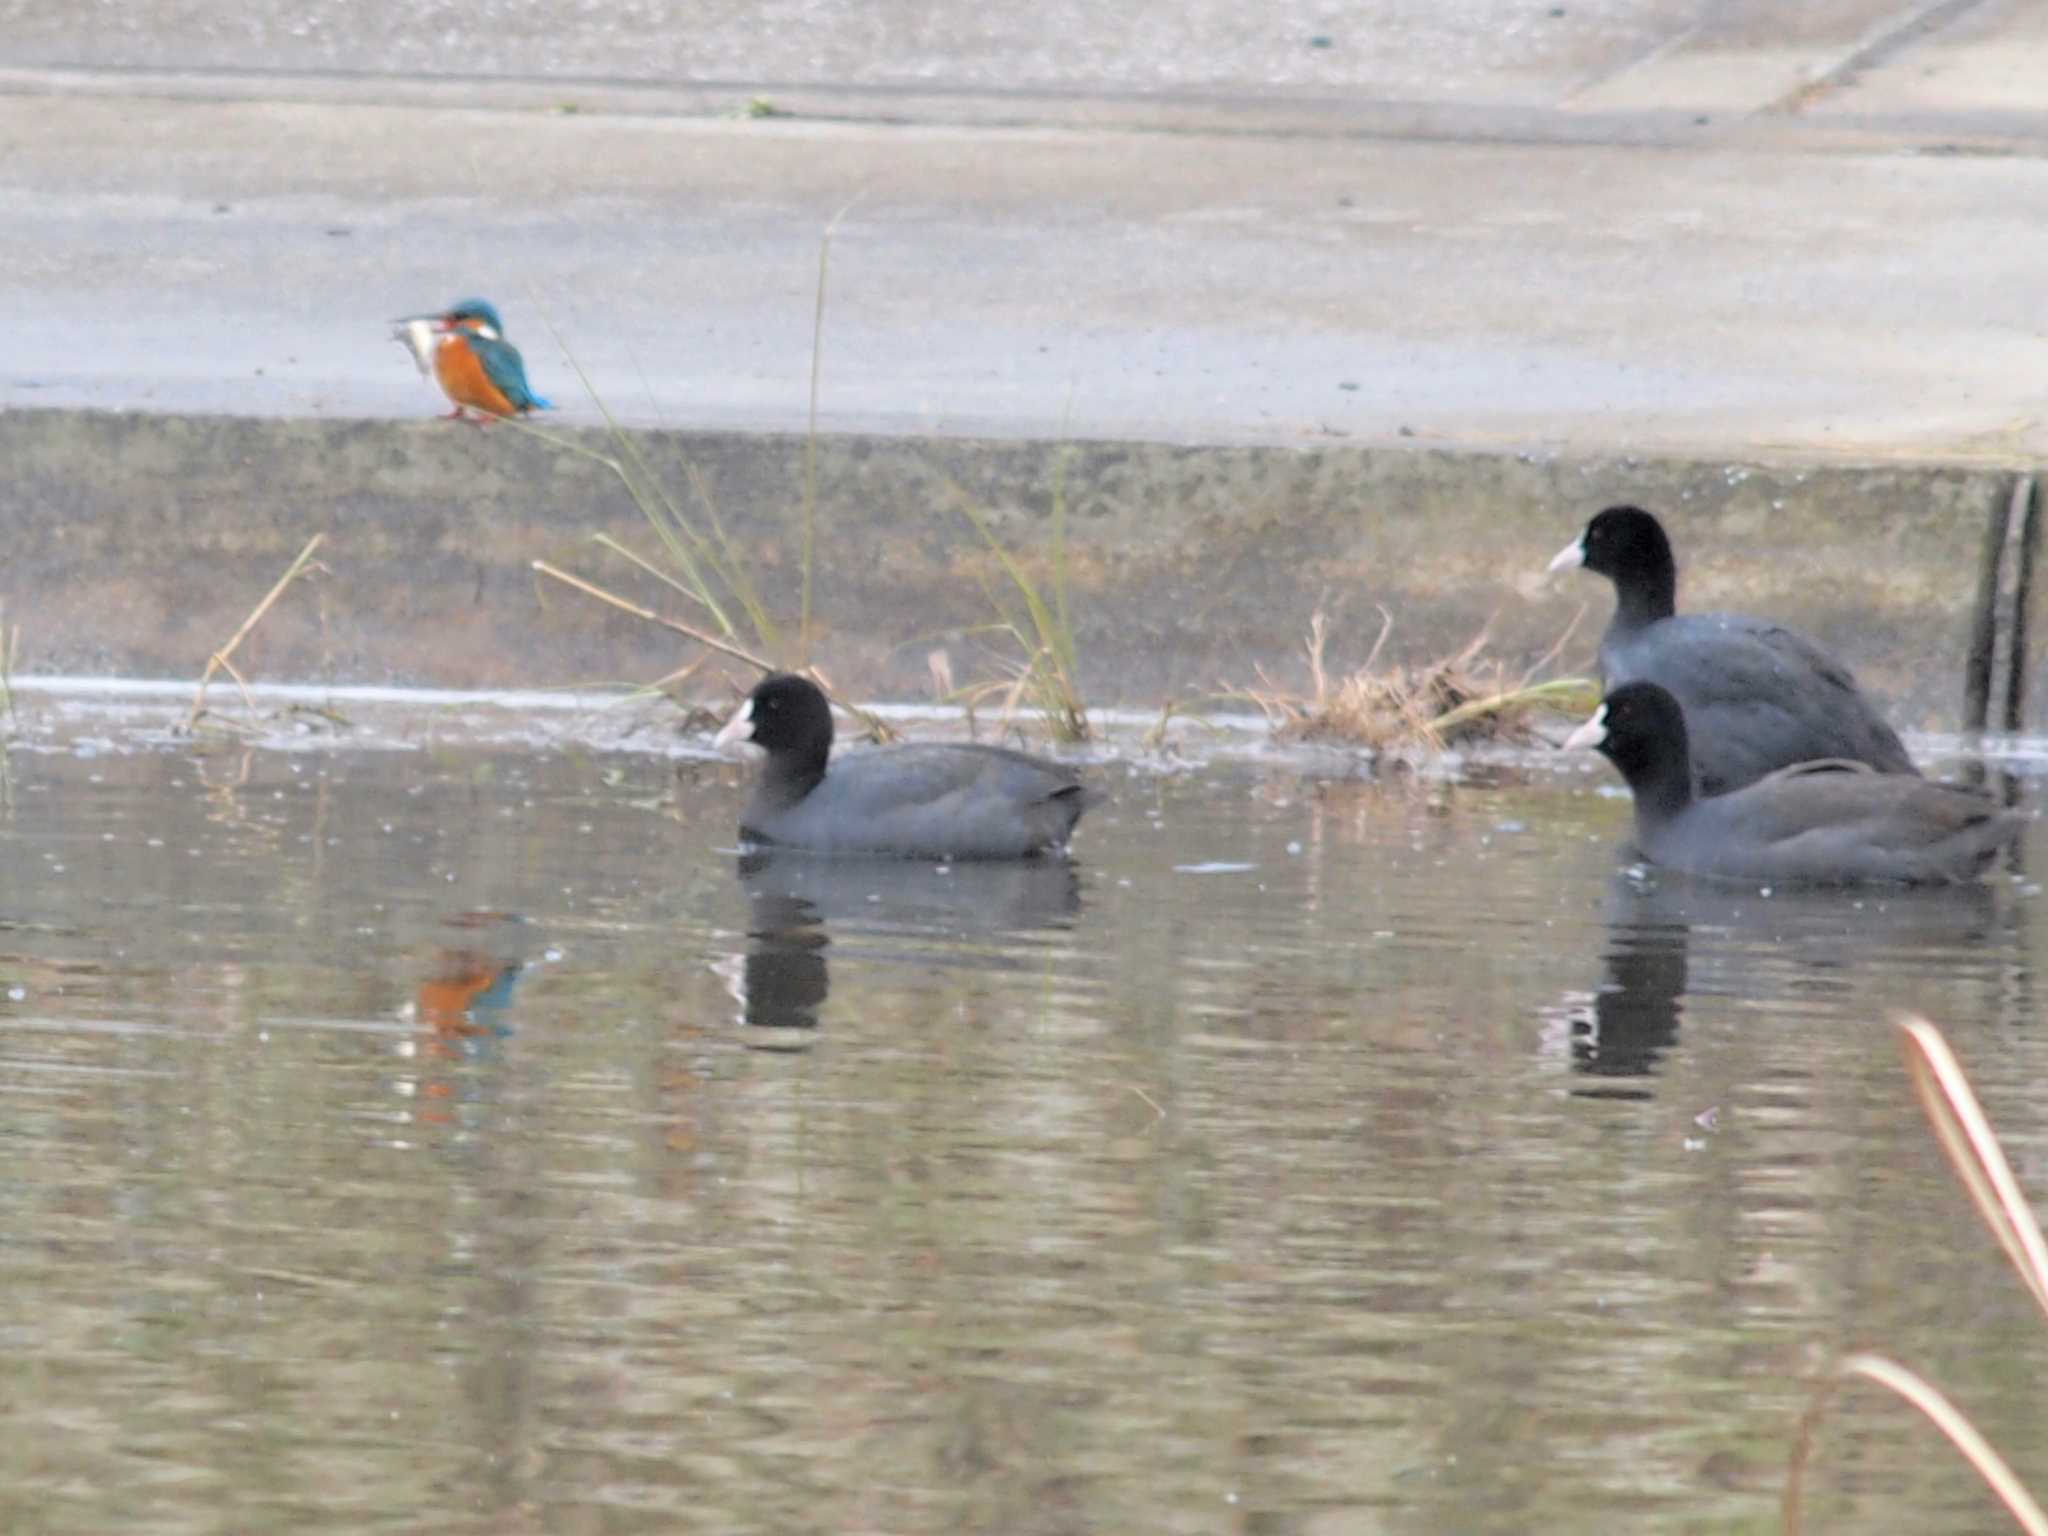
(1570,558)
(739,728)
(1591,734)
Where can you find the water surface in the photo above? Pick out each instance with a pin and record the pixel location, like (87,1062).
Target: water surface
(467,1141)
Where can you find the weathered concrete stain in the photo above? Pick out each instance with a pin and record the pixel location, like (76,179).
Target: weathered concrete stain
(136,543)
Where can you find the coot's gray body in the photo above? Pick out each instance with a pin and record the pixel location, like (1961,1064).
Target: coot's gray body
(1757,696)
(926,801)
(1825,823)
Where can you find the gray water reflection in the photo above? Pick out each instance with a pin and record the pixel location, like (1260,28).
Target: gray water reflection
(1762,946)
(972,914)
(1307,1157)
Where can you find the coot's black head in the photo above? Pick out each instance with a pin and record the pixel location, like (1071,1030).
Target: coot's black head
(1627,545)
(1640,728)
(787,716)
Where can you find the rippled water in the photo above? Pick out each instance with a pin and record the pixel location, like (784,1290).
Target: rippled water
(465,1142)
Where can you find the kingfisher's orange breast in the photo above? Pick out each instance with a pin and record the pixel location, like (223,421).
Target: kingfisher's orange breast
(446,997)
(462,378)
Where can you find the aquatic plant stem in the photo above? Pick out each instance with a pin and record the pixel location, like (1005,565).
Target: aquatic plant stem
(1944,1415)
(1966,1136)
(10,657)
(690,550)
(1047,670)
(877,728)
(1567,695)
(1965,1133)
(809,513)
(646,494)
(1063,626)
(624,605)
(219,662)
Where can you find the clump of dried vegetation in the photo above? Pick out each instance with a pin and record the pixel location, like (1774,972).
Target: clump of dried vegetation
(1043,665)
(1465,697)
(1965,1134)
(696,559)
(703,565)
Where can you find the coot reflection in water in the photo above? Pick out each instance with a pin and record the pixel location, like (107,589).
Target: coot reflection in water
(1670,938)
(906,912)
(1634,1015)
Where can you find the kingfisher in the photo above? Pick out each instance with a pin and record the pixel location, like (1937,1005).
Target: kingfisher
(464,348)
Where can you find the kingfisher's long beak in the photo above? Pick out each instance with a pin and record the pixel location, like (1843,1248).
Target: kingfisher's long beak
(1591,734)
(433,324)
(1570,558)
(739,728)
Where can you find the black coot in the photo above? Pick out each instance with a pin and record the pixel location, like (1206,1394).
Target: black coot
(1757,697)
(1825,823)
(922,801)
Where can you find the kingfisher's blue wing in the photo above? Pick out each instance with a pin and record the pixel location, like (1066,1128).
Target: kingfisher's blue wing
(505,369)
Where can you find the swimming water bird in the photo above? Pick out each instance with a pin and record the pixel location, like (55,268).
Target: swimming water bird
(465,349)
(1757,697)
(922,801)
(1823,823)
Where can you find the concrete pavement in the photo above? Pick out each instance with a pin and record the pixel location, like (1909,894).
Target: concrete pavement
(1608,226)
(1724,56)
(1345,307)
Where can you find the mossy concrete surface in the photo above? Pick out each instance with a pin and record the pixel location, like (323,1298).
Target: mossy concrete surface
(135,544)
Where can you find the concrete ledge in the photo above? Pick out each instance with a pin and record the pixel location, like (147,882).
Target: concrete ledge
(136,543)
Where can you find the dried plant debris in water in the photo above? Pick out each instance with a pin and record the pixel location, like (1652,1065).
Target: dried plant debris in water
(1457,700)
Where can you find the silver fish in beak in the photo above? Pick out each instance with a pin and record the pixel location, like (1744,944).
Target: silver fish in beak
(416,334)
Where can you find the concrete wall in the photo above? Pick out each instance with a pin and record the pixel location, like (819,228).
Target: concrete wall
(136,543)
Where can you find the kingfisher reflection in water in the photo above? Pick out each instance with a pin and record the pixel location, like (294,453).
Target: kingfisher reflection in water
(462,1005)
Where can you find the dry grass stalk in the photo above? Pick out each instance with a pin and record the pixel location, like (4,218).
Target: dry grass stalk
(649,616)
(810,503)
(711,569)
(1159,731)
(305,565)
(1063,715)
(10,658)
(874,726)
(1943,1414)
(1457,698)
(1973,1151)
(672,684)
(1041,631)
(1049,688)
(1965,1134)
